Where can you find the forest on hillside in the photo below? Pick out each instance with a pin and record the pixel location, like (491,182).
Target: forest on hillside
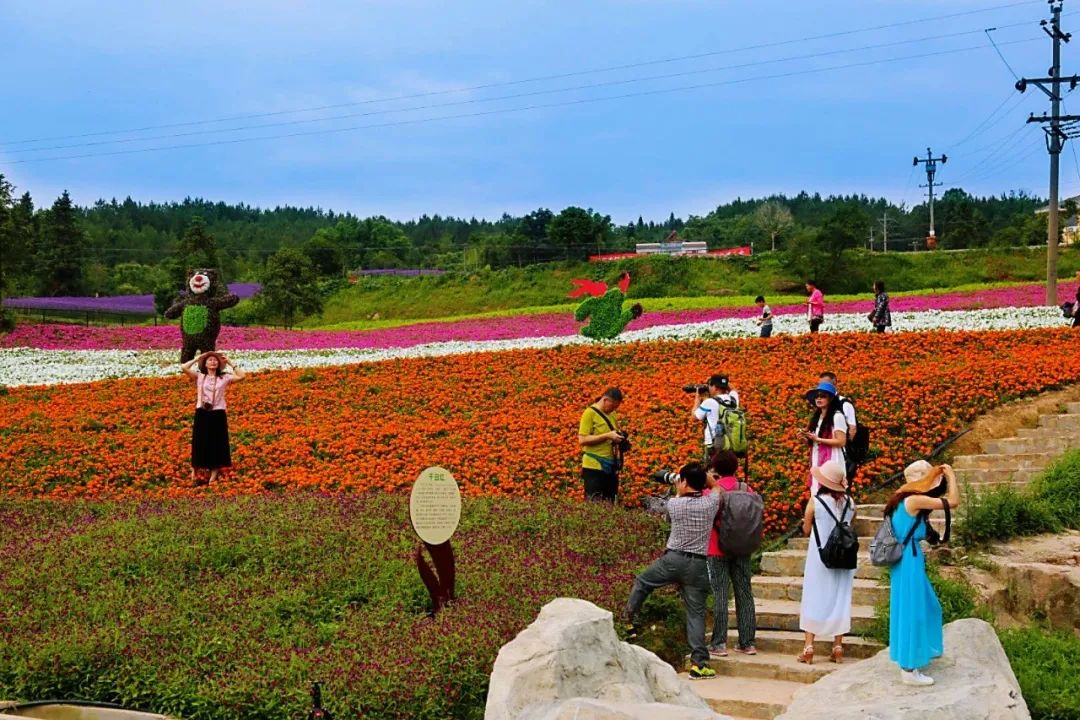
(118,247)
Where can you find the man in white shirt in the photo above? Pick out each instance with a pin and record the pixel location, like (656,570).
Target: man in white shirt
(707,408)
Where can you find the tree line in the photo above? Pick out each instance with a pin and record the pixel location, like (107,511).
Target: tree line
(125,247)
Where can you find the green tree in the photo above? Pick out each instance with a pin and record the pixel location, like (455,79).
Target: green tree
(774,219)
(196,249)
(805,258)
(576,233)
(63,250)
(325,255)
(290,287)
(7,234)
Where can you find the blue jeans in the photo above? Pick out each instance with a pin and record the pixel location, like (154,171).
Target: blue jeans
(692,575)
(766,330)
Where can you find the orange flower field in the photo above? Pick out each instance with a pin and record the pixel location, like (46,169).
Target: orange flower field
(506,423)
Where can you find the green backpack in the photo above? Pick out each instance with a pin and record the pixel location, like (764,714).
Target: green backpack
(732,424)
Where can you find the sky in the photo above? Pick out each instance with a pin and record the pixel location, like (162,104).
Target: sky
(476,108)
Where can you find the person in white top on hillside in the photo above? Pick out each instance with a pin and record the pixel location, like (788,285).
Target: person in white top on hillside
(708,405)
(825,608)
(826,432)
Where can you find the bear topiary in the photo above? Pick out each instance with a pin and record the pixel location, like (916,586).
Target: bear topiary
(199,312)
(604,308)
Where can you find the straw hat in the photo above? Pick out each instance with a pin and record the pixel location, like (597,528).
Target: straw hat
(831,475)
(920,476)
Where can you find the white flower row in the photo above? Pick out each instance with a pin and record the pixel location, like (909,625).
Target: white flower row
(27,366)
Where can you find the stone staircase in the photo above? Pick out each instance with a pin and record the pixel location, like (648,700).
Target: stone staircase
(762,686)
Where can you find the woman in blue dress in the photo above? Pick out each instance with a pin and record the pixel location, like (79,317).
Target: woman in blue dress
(915,636)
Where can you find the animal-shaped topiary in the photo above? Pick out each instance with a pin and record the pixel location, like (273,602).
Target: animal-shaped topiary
(199,312)
(604,308)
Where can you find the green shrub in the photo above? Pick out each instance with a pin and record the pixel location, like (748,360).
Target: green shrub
(1001,513)
(1059,488)
(1046,665)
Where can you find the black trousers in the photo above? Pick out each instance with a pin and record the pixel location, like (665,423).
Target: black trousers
(600,485)
(815,323)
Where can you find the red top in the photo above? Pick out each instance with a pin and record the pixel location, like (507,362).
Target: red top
(727,483)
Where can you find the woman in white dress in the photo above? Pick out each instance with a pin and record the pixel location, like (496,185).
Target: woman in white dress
(826,433)
(826,593)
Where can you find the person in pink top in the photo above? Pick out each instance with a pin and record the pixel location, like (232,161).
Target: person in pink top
(815,306)
(212,374)
(725,571)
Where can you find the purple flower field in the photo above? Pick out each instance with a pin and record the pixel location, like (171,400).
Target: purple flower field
(126,304)
(77,337)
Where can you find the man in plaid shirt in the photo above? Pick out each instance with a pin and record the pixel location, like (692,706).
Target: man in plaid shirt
(692,514)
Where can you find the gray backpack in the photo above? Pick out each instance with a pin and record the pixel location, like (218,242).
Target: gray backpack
(885,549)
(739,525)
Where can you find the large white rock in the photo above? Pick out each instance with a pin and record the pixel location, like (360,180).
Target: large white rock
(570,664)
(974,681)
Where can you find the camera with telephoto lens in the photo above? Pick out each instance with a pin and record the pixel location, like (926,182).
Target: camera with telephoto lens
(695,388)
(667,477)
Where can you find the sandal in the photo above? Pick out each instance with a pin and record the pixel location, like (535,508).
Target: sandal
(807,655)
(837,655)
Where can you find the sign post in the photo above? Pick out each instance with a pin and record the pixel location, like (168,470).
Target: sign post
(434,511)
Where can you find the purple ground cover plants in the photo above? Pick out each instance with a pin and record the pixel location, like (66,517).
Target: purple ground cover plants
(127,304)
(77,337)
(228,608)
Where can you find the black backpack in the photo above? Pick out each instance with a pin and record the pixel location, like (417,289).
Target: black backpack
(857,450)
(841,551)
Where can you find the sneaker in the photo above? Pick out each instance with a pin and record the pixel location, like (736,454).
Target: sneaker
(701,672)
(720,651)
(915,678)
(633,630)
(748,650)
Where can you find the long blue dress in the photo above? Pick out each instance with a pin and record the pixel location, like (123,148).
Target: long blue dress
(915,636)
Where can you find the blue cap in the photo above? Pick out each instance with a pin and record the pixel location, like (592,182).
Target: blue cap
(822,386)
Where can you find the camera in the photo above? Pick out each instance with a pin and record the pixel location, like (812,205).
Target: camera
(695,388)
(207,406)
(667,477)
(624,441)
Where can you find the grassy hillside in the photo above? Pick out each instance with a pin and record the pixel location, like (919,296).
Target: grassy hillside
(715,281)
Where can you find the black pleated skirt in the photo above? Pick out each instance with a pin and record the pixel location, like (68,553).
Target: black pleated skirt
(210,440)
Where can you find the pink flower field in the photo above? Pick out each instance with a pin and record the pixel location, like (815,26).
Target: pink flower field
(78,337)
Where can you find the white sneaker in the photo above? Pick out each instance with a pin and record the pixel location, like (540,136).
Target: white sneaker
(915,678)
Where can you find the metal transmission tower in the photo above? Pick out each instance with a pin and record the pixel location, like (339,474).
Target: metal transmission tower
(931,170)
(1061,127)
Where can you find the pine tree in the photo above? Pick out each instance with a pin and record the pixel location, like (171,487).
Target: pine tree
(197,249)
(63,249)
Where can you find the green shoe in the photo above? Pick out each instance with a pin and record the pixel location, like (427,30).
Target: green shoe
(701,672)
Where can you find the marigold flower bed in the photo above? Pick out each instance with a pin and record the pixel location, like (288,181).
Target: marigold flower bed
(228,608)
(506,423)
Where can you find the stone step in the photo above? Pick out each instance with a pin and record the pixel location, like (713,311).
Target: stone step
(792,562)
(754,698)
(871,509)
(867,526)
(790,643)
(779,587)
(973,475)
(1017,461)
(984,486)
(1069,421)
(1038,444)
(784,615)
(1045,432)
(1072,408)
(771,666)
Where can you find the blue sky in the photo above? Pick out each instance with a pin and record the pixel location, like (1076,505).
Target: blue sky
(79,68)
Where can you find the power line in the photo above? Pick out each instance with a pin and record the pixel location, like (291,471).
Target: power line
(533,93)
(542,78)
(500,111)
(983,127)
(999,53)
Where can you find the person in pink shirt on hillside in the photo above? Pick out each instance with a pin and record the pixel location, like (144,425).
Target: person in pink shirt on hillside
(210,429)
(815,306)
(725,571)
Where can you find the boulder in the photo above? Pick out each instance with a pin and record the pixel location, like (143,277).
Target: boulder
(974,681)
(570,664)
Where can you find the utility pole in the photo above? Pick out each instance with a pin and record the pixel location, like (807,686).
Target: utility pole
(1056,135)
(871,240)
(931,169)
(885,231)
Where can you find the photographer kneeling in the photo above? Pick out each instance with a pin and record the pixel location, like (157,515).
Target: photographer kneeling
(602,446)
(691,514)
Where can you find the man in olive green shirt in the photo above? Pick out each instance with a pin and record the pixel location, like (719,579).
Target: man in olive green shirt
(599,436)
